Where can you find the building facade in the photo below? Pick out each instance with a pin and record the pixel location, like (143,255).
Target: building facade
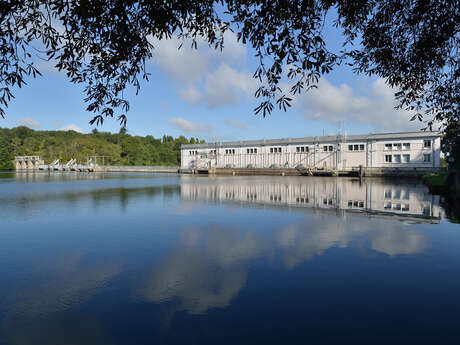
(341,152)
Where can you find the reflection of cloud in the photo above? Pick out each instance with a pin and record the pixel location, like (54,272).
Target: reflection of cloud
(65,281)
(206,269)
(300,244)
(60,284)
(393,241)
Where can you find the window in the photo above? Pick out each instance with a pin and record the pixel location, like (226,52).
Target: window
(405,194)
(247,150)
(397,194)
(397,146)
(361,204)
(255,150)
(302,149)
(397,207)
(406,146)
(226,152)
(297,149)
(387,193)
(427,144)
(388,146)
(350,147)
(233,151)
(387,158)
(279,149)
(307,149)
(331,148)
(426,157)
(387,206)
(271,149)
(405,207)
(405,158)
(361,147)
(325,148)
(397,158)
(356,147)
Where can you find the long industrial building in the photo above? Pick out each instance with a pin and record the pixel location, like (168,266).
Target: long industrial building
(338,152)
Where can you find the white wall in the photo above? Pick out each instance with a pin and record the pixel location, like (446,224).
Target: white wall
(372,155)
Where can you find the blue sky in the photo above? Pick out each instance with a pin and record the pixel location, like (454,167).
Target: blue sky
(209,94)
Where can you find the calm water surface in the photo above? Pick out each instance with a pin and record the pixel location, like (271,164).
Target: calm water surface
(167,259)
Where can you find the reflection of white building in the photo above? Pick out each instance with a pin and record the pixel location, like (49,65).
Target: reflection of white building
(378,197)
(390,150)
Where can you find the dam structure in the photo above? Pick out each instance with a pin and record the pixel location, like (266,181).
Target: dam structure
(377,154)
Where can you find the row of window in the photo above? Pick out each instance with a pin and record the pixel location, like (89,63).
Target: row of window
(355,203)
(396,194)
(356,147)
(396,207)
(302,149)
(397,158)
(406,146)
(330,148)
(405,158)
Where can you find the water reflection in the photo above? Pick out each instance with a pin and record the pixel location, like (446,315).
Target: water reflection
(187,247)
(208,267)
(372,197)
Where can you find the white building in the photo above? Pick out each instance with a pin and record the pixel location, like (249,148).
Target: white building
(341,152)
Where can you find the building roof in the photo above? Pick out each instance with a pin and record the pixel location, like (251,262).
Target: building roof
(319,139)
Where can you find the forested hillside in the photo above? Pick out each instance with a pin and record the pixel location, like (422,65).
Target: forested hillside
(119,149)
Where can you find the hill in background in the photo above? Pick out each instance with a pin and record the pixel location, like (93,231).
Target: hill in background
(119,149)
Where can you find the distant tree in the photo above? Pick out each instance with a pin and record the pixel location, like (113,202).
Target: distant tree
(118,149)
(95,131)
(123,130)
(104,45)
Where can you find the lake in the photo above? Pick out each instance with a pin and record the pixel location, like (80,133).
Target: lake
(169,259)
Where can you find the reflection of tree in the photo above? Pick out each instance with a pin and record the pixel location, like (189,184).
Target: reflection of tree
(98,197)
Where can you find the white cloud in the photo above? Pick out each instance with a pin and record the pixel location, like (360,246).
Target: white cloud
(212,77)
(71,127)
(341,103)
(29,122)
(235,124)
(226,86)
(188,126)
(191,95)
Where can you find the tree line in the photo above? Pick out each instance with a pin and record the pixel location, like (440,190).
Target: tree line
(118,148)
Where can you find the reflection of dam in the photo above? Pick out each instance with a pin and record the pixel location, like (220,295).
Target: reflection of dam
(372,197)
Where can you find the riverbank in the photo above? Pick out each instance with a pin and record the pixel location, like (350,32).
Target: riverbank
(443,182)
(447,186)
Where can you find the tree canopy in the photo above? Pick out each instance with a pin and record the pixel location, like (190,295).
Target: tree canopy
(104,45)
(118,149)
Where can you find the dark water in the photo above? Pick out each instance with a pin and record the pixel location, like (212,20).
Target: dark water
(166,259)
